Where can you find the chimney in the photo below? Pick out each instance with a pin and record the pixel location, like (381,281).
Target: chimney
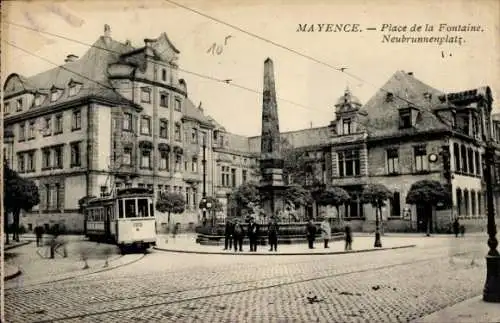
(200,107)
(410,73)
(128,42)
(107,31)
(70,58)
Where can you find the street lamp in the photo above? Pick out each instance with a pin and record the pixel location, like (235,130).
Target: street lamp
(491,292)
(204,193)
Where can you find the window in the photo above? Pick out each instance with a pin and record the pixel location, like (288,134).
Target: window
(57,196)
(478,165)
(178,105)
(76,157)
(73,89)
(396,205)
(145,125)
(473,203)
(146,94)
(127,121)
(470,155)
(127,156)
(349,163)
(225,176)
(404,119)
(163,75)
(459,202)
(233,177)
(47,131)
(146,158)
(21,165)
(48,196)
(346,126)
(456,155)
(463,152)
(7,108)
(178,162)
(46,158)
(54,95)
(130,208)
(194,165)
(22,131)
(188,194)
(475,126)
(163,129)
(466,203)
(31,130)
(393,161)
(479,204)
(58,157)
(164,160)
(420,153)
(177,133)
(30,163)
(142,207)
(244,176)
(19,104)
(164,100)
(76,120)
(194,136)
(38,100)
(59,124)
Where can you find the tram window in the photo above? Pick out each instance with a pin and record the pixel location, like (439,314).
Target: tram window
(120,209)
(143,207)
(151,210)
(130,208)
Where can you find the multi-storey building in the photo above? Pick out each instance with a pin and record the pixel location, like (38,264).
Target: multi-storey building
(120,116)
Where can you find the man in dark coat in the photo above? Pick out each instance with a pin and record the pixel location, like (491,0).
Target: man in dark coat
(238,235)
(39,234)
(253,234)
(272,231)
(311,233)
(348,238)
(228,235)
(456,227)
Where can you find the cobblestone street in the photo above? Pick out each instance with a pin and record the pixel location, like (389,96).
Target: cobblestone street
(385,286)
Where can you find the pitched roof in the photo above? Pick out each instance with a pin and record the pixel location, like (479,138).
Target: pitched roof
(191,111)
(298,139)
(382,117)
(90,70)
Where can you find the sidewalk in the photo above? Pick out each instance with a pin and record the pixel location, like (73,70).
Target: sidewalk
(474,310)
(37,270)
(186,243)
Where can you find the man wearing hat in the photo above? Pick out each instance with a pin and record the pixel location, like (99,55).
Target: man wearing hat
(272,231)
(253,233)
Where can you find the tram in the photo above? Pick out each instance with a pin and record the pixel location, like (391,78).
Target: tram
(125,218)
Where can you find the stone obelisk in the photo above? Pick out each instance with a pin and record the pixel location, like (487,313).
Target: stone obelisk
(271,162)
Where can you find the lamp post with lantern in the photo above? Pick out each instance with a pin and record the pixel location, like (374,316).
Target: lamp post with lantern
(204,192)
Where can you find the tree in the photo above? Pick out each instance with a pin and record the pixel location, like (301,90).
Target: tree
(376,195)
(334,196)
(171,202)
(428,193)
(19,194)
(245,196)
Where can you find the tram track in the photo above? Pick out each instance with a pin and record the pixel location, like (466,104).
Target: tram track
(233,292)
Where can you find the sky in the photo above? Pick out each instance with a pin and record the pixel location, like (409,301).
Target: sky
(307,90)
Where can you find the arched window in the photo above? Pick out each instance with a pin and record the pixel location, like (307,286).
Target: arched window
(466,203)
(473,203)
(456,155)
(459,202)
(463,153)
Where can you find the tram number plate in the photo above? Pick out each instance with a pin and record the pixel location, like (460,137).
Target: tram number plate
(137,225)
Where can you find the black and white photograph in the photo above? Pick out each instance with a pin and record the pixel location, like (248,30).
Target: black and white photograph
(250,161)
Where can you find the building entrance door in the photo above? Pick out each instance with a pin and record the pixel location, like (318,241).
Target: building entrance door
(424,215)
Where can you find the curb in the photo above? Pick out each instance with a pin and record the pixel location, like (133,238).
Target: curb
(246,253)
(8,247)
(13,275)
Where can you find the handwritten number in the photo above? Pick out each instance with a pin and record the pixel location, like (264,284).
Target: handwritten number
(218,48)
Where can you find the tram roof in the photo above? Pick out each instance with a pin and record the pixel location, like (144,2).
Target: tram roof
(122,193)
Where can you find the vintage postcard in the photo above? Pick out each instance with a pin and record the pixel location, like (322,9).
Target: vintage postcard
(250,161)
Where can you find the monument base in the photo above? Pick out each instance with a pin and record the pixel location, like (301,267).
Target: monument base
(272,199)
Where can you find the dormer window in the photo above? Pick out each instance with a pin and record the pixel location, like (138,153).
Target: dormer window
(19,104)
(74,88)
(55,93)
(38,100)
(405,119)
(428,96)
(346,126)
(389,97)
(7,107)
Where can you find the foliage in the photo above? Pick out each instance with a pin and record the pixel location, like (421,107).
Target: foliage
(245,196)
(171,202)
(296,196)
(428,192)
(376,195)
(19,194)
(216,205)
(334,195)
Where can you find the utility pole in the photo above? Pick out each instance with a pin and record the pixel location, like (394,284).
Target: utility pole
(204,192)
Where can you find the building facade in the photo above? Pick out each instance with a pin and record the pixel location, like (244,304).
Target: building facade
(120,116)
